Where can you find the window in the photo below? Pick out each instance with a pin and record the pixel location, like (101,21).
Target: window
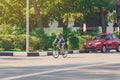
(109,37)
(114,36)
(99,37)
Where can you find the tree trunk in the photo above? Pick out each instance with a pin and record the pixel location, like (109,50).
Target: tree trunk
(118,13)
(102,20)
(38,15)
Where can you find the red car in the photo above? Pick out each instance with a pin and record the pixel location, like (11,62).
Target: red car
(103,42)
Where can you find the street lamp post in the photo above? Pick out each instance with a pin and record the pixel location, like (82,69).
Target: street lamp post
(27,25)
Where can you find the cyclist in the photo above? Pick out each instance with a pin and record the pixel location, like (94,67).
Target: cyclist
(60,42)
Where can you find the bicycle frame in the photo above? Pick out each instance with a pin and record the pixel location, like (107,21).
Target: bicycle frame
(58,52)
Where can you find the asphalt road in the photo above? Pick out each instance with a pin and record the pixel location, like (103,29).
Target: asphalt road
(95,66)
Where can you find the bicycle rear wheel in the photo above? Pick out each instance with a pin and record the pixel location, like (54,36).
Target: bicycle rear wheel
(56,54)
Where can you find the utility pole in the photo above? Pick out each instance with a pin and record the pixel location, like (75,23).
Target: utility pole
(27,25)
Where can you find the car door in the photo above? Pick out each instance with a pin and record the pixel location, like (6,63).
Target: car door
(115,41)
(109,41)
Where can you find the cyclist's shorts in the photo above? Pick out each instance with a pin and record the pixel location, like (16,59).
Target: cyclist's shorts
(62,43)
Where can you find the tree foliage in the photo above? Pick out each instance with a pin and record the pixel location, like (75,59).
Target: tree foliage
(46,11)
(12,12)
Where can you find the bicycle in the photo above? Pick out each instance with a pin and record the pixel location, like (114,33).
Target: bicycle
(57,52)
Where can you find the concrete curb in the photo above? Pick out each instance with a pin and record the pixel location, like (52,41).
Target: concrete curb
(6,54)
(47,53)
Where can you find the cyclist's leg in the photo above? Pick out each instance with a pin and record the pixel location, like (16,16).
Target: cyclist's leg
(58,46)
(62,47)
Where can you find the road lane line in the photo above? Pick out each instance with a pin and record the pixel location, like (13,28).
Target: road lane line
(52,71)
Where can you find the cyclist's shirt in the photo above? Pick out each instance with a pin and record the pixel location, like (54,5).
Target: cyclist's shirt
(62,42)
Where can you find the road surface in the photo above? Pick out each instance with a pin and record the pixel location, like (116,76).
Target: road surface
(92,66)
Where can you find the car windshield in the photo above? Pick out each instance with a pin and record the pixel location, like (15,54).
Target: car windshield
(99,37)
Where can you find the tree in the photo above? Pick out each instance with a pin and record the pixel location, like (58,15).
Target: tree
(90,7)
(38,15)
(117,3)
(46,11)
(13,12)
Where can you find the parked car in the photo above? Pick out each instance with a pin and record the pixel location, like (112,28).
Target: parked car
(103,42)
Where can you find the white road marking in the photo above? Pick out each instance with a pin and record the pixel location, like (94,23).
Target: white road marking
(52,71)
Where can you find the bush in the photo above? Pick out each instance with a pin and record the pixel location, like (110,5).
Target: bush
(7,41)
(86,37)
(44,43)
(117,33)
(12,42)
(81,42)
(39,40)
(43,38)
(66,33)
(10,37)
(73,42)
(51,39)
(34,43)
(21,42)
(95,31)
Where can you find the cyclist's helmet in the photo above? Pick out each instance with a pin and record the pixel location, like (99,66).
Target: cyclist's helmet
(58,35)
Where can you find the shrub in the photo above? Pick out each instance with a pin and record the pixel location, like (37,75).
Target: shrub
(43,38)
(51,39)
(81,42)
(117,33)
(21,41)
(7,41)
(44,43)
(95,31)
(86,37)
(34,43)
(73,42)
(66,33)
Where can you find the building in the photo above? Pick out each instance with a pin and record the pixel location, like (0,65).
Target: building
(54,26)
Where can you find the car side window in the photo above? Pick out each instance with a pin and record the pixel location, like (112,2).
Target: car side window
(114,36)
(109,37)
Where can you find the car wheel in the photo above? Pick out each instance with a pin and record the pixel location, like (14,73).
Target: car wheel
(104,49)
(118,48)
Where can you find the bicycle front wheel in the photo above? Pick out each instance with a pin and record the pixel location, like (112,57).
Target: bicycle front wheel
(65,54)
(56,54)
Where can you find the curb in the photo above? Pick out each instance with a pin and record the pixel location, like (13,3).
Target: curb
(6,54)
(48,53)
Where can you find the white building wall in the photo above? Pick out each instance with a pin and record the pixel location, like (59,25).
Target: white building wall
(110,28)
(54,26)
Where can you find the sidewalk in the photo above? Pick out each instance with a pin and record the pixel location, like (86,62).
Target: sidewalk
(46,53)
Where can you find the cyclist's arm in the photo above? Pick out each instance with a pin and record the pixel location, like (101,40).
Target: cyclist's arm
(54,41)
(59,41)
